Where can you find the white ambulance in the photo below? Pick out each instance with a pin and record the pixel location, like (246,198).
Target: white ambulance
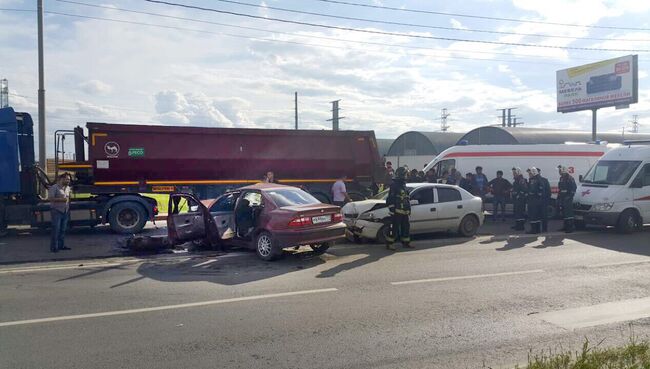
(616,191)
(578,158)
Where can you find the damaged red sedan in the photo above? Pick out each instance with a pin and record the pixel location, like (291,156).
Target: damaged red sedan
(265,217)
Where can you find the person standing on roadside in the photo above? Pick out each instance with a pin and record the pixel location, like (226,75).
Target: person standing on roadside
(480,182)
(546,200)
(499,187)
(567,189)
(535,200)
(339,192)
(389,173)
(269,177)
(399,207)
(467,183)
(431,176)
(59,197)
(519,194)
(452,178)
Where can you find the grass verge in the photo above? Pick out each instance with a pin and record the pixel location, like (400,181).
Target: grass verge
(633,355)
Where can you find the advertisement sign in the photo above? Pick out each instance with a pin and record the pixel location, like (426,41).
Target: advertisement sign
(612,82)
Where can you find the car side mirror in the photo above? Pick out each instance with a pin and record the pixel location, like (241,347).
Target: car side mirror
(415,202)
(580,178)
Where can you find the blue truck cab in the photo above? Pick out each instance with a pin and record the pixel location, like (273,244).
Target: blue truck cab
(23,187)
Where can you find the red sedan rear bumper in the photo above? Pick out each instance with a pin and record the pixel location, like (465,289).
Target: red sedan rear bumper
(300,237)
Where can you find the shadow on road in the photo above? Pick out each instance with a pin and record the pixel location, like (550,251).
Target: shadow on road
(375,252)
(229,269)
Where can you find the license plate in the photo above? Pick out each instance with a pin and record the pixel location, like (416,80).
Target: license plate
(321,219)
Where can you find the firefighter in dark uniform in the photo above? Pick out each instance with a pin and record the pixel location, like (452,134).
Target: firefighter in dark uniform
(567,189)
(399,205)
(519,194)
(546,199)
(535,201)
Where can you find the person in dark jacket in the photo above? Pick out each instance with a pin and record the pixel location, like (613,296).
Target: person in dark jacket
(399,206)
(535,200)
(499,188)
(467,183)
(546,199)
(452,178)
(519,195)
(567,189)
(431,176)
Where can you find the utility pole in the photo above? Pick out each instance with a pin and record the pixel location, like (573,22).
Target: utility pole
(443,120)
(503,117)
(635,124)
(506,116)
(42,161)
(296,108)
(335,115)
(4,93)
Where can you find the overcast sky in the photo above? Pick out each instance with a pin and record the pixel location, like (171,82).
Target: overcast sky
(188,71)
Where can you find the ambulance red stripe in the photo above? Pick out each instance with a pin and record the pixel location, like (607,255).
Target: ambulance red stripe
(524,153)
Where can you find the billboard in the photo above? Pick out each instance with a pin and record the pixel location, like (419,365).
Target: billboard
(612,82)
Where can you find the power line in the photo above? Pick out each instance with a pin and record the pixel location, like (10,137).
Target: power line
(168,3)
(306,36)
(288,41)
(461,15)
(379,21)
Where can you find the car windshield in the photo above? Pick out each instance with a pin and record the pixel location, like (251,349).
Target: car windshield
(611,172)
(291,197)
(384,194)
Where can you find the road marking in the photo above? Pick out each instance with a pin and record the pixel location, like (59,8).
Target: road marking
(466,277)
(204,263)
(619,263)
(589,316)
(58,267)
(166,307)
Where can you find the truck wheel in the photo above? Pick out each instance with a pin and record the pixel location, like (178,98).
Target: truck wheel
(266,247)
(127,218)
(627,222)
(468,226)
(320,248)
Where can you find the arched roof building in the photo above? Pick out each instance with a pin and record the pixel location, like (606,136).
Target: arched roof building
(527,136)
(414,143)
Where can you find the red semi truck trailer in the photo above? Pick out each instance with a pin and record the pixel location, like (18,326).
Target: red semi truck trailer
(207,161)
(116,163)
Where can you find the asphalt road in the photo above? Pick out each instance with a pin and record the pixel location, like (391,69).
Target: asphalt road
(451,303)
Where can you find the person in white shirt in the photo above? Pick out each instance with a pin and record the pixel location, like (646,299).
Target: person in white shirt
(339,193)
(59,197)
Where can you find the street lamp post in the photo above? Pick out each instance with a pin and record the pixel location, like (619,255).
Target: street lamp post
(41,92)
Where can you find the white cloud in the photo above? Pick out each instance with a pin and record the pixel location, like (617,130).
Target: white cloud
(197,109)
(95,87)
(457,24)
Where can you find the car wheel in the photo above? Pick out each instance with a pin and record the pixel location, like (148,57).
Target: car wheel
(358,239)
(382,234)
(468,226)
(265,246)
(627,222)
(320,248)
(127,218)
